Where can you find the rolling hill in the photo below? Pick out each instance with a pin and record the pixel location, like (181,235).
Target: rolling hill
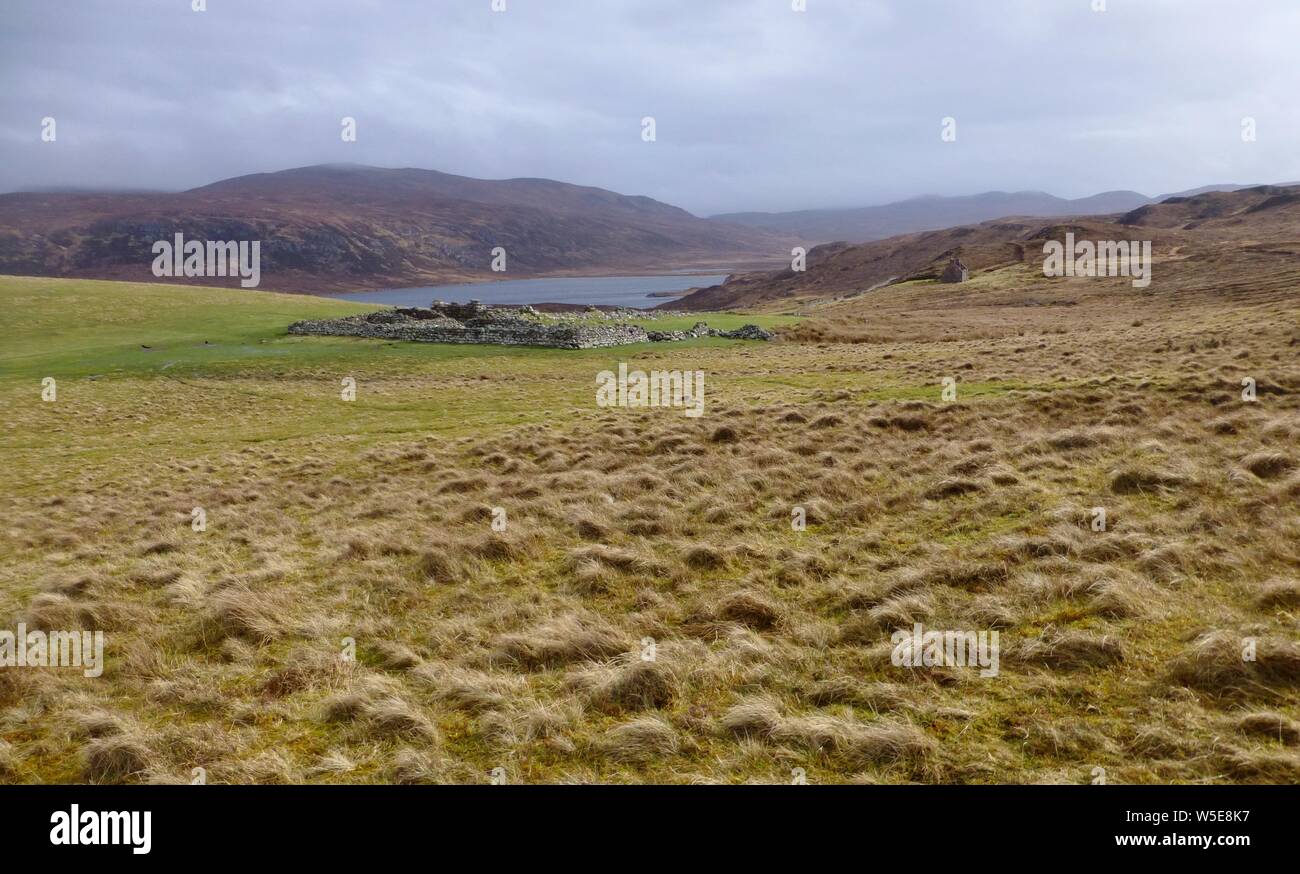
(1263,221)
(341,227)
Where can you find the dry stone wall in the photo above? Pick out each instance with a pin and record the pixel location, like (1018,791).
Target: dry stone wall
(475,323)
(512,332)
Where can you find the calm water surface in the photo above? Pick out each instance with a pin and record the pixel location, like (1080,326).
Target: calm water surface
(626,291)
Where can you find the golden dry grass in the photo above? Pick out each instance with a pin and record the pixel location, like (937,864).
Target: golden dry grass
(639,533)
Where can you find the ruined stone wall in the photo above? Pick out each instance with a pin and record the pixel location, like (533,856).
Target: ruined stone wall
(514,332)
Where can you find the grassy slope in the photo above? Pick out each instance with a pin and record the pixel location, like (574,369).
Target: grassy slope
(59,327)
(256,382)
(324,515)
(62,327)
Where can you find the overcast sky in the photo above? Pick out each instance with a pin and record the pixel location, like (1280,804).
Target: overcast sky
(757,106)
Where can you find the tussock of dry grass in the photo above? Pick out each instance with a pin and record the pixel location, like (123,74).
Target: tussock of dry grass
(242,613)
(1071,650)
(414,767)
(643,739)
(560,641)
(859,745)
(1222,663)
(1264,767)
(1269,465)
(751,609)
(650,613)
(1140,480)
(628,684)
(393,717)
(468,689)
(436,566)
(755,717)
(1279,593)
(345,707)
(1273,726)
(114,759)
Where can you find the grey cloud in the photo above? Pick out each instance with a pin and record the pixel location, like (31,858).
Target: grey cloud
(757,106)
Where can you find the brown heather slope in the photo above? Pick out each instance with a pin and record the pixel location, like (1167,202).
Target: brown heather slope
(1207,229)
(344,227)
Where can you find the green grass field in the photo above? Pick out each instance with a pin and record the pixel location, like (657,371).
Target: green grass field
(220,371)
(60,327)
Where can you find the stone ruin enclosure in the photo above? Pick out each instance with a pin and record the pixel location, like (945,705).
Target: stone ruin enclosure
(473,322)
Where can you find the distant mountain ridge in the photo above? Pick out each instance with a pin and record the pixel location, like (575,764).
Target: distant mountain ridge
(935,212)
(349,227)
(1259,223)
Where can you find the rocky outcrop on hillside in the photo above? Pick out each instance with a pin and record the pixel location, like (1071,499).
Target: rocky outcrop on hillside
(744,332)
